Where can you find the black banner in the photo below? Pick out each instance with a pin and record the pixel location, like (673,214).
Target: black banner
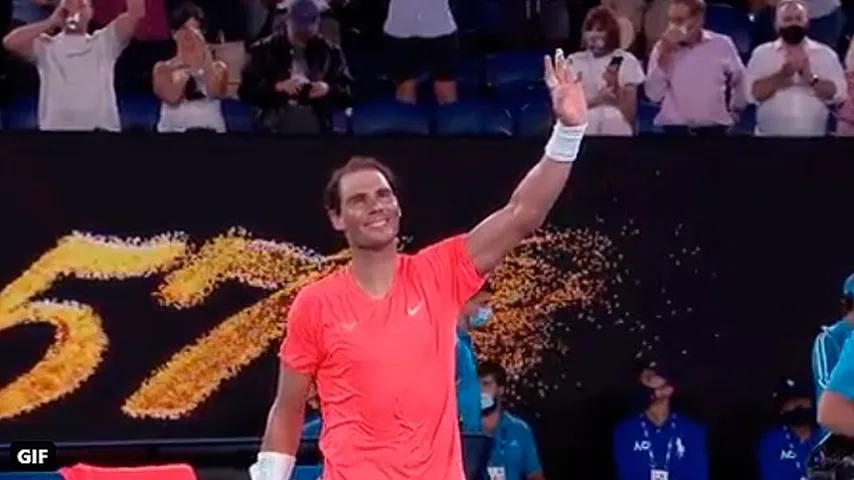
(145,279)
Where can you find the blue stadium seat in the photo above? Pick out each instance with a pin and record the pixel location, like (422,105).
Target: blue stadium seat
(307,472)
(534,120)
(514,68)
(380,117)
(30,476)
(341,121)
(21,113)
(736,23)
(645,117)
(514,97)
(138,111)
(473,117)
(746,121)
(238,116)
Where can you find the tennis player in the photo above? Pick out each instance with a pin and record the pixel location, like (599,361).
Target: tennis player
(378,337)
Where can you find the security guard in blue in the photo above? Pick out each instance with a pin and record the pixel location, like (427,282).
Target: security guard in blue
(828,344)
(514,452)
(475,314)
(785,447)
(657,443)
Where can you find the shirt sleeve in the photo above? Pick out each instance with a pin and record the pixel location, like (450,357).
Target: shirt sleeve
(824,355)
(842,377)
(111,42)
(531,462)
(768,463)
(631,72)
(700,455)
(759,66)
(301,349)
(737,75)
(657,80)
(829,68)
(621,455)
(451,270)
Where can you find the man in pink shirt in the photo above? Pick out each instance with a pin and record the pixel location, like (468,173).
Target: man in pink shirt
(695,74)
(363,332)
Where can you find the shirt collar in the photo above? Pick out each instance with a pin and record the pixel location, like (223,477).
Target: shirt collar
(809,44)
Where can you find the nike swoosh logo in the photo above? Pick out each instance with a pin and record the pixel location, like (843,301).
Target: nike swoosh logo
(412,311)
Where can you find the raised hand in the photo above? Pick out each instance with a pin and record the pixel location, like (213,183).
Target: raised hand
(567,94)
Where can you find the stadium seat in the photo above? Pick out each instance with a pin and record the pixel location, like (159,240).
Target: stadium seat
(514,69)
(534,120)
(238,116)
(473,117)
(381,117)
(307,472)
(646,116)
(514,97)
(30,476)
(746,121)
(21,113)
(736,23)
(341,121)
(138,111)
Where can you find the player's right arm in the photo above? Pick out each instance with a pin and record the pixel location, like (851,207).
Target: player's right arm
(300,357)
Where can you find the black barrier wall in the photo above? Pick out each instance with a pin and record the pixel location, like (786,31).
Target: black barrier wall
(722,256)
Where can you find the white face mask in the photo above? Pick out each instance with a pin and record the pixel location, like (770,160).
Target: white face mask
(487,401)
(595,40)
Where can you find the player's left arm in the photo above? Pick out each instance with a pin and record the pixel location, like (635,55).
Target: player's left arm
(494,237)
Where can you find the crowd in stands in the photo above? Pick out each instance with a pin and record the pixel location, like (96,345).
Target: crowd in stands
(678,67)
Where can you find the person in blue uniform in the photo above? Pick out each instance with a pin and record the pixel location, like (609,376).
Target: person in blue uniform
(829,342)
(514,452)
(784,448)
(836,404)
(657,443)
(475,314)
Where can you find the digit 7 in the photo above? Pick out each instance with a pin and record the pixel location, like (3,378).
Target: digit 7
(79,341)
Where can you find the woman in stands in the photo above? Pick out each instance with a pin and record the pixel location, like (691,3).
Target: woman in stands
(610,75)
(190,84)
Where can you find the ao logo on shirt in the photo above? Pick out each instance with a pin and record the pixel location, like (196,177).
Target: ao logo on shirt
(642,446)
(787,455)
(645,445)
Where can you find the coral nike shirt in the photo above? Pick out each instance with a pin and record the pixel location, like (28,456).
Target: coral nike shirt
(384,368)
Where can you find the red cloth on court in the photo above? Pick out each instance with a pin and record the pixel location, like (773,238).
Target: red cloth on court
(155,472)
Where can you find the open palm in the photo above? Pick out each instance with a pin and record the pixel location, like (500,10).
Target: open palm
(566,91)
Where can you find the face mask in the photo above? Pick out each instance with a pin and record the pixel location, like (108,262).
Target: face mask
(595,40)
(798,417)
(480,317)
(644,396)
(72,22)
(487,403)
(793,34)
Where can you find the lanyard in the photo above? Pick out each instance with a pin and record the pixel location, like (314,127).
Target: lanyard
(652,462)
(792,449)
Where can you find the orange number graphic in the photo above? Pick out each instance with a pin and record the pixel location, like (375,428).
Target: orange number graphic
(79,341)
(193,374)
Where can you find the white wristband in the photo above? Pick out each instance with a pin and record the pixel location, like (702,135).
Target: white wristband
(565,142)
(272,466)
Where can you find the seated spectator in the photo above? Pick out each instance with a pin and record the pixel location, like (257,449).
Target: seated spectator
(610,76)
(76,68)
(826,21)
(784,449)
(695,73)
(845,118)
(658,443)
(793,79)
(226,35)
(422,37)
(190,84)
(514,453)
(295,77)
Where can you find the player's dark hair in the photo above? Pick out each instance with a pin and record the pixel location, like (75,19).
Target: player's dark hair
(332,193)
(184,12)
(494,370)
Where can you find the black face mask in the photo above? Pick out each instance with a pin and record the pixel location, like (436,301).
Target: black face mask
(798,417)
(793,34)
(644,396)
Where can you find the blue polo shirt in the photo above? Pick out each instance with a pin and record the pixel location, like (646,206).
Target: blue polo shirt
(842,376)
(640,447)
(782,455)
(826,351)
(468,384)
(311,429)
(514,449)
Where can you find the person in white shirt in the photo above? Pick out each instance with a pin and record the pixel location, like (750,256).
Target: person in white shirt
(793,79)
(76,68)
(190,84)
(610,76)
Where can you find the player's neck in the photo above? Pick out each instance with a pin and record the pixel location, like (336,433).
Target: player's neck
(658,412)
(373,270)
(490,422)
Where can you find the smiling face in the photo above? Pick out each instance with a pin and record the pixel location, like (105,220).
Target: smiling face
(368,213)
